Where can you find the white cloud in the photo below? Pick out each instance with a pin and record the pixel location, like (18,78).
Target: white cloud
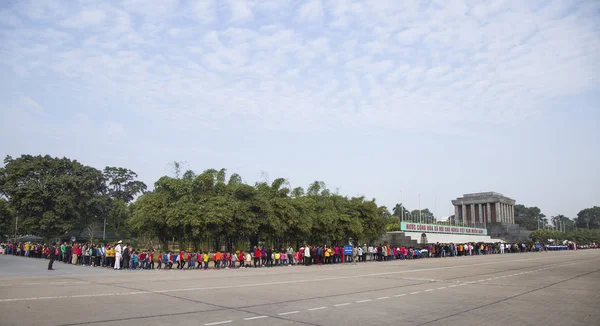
(203,10)
(30,104)
(311,11)
(447,65)
(240,11)
(152,10)
(85,18)
(9,18)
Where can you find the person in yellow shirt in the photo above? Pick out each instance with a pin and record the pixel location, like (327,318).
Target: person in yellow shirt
(205,260)
(328,252)
(110,256)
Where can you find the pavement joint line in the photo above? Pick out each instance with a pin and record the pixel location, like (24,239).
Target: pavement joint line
(219,322)
(317,308)
(429,290)
(288,313)
(452,286)
(361,301)
(416,292)
(342,304)
(382,298)
(281,282)
(441,288)
(399,295)
(256,317)
(510,297)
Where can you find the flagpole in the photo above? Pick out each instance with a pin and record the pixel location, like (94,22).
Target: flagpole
(420,220)
(401,207)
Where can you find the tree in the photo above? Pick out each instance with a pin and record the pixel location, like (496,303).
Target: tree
(206,208)
(51,196)
(588,218)
(530,218)
(6,219)
(122,183)
(400,211)
(562,223)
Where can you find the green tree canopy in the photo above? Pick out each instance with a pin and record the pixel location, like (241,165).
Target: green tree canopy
(530,218)
(588,218)
(51,195)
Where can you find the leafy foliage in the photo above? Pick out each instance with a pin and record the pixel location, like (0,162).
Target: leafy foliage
(580,236)
(530,218)
(206,207)
(51,196)
(122,183)
(588,218)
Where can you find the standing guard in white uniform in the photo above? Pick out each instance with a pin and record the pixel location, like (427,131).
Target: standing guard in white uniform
(118,255)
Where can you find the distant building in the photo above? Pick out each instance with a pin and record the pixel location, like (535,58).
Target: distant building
(483,208)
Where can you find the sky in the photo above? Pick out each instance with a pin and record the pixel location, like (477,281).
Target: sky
(412,101)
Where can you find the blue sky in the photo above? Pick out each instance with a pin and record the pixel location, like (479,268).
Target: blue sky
(375,98)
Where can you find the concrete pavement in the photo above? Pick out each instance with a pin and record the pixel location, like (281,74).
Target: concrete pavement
(515,289)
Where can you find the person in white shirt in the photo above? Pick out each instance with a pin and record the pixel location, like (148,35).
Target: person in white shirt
(306,255)
(502,248)
(118,250)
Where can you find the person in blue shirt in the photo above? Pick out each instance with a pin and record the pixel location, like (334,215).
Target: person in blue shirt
(134,259)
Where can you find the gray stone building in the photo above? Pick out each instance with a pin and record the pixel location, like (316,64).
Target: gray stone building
(484,208)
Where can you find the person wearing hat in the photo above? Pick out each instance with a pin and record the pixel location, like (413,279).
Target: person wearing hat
(118,255)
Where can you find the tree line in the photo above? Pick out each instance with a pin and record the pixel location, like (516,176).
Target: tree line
(51,197)
(220,210)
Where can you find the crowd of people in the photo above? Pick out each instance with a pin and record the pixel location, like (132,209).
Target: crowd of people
(123,256)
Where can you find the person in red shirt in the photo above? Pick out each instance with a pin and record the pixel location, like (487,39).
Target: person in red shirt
(256,256)
(143,259)
(241,258)
(181,260)
(151,260)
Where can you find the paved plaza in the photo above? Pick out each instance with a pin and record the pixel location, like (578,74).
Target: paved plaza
(553,288)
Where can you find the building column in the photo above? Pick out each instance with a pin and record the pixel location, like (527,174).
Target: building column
(480,219)
(505,213)
(464,213)
(489,213)
(455,213)
(497,208)
(512,214)
(472,221)
(503,208)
